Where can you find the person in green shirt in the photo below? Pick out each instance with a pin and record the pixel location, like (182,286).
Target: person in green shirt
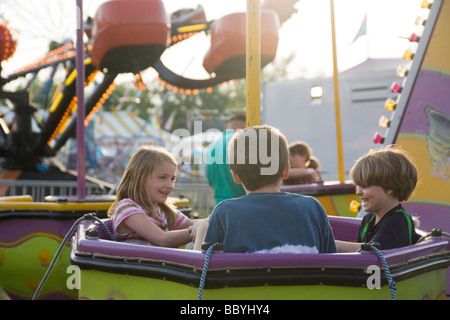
(218,169)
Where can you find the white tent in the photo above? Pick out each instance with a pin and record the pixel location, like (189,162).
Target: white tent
(126,124)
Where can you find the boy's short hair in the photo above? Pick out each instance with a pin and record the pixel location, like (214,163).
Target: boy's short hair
(390,168)
(258,155)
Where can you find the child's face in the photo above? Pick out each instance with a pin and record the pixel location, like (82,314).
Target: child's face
(374,198)
(297,160)
(161,182)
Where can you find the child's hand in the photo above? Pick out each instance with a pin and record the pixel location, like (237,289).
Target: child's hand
(192,232)
(196,226)
(198,230)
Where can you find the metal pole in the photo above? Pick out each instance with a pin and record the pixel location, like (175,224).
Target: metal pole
(81,143)
(337,108)
(253,62)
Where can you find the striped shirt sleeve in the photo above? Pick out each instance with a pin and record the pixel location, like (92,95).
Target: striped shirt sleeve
(179,223)
(124,209)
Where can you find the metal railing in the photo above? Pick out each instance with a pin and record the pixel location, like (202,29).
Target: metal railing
(200,195)
(39,189)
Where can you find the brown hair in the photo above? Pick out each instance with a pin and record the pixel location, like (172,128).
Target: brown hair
(247,159)
(390,168)
(314,163)
(140,167)
(300,148)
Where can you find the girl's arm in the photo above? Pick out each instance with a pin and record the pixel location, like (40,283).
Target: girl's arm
(299,172)
(186,223)
(152,233)
(346,246)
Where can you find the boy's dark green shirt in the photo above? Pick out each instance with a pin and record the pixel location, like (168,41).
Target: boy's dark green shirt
(394,230)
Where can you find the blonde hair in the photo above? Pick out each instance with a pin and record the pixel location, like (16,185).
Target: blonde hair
(390,168)
(250,171)
(133,184)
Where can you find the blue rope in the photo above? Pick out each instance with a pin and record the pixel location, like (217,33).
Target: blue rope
(391,282)
(110,234)
(58,252)
(204,271)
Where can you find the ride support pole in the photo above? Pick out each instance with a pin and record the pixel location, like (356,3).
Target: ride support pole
(81,113)
(253,63)
(337,106)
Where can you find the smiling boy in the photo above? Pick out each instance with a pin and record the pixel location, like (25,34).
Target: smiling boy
(383,180)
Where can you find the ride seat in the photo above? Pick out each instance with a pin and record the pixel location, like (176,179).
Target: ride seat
(129,35)
(228,38)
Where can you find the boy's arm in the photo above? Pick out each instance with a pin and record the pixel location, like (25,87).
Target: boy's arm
(197,232)
(346,246)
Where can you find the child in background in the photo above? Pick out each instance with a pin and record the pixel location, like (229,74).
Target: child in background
(266,220)
(141,213)
(304,167)
(383,180)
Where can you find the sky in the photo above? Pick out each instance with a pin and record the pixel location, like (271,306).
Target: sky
(307,33)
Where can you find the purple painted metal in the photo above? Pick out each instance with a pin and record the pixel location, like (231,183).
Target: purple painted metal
(81,168)
(427,87)
(333,187)
(11,233)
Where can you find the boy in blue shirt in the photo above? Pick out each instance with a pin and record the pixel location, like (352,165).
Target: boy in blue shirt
(267,220)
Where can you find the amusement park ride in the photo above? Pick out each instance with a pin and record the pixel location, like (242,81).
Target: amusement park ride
(130,36)
(125,37)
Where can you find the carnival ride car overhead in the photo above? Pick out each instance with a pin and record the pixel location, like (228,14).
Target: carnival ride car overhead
(129,36)
(114,48)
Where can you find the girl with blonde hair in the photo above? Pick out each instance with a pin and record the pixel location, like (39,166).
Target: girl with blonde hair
(142,213)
